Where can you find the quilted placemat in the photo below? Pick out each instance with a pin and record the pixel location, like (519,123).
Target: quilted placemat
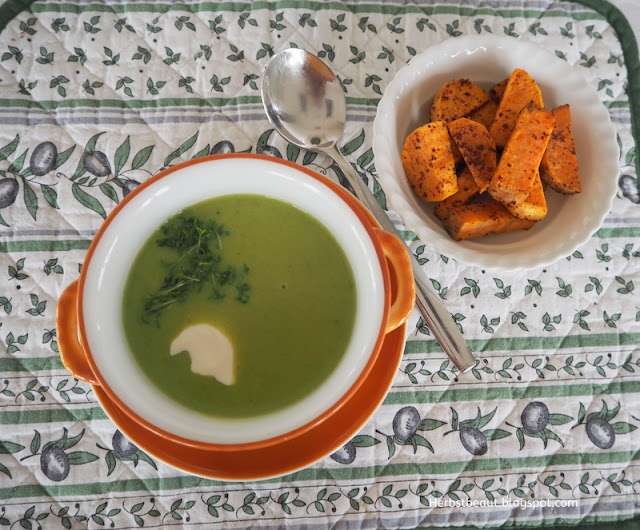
(95,97)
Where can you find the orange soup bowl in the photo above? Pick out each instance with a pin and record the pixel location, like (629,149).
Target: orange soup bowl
(93,345)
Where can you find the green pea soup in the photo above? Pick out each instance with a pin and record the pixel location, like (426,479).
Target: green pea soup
(281,290)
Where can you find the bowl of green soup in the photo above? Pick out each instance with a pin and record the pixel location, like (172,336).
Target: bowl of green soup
(234,301)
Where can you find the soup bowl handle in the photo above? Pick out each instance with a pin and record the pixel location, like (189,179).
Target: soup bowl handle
(72,354)
(403,294)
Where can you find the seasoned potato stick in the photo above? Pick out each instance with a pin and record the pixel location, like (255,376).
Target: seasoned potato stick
(477,220)
(457,99)
(485,114)
(497,91)
(534,207)
(467,190)
(520,91)
(428,162)
(559,166)
(520,160)
(477,147)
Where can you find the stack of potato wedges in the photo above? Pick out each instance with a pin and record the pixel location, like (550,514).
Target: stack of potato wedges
(486,158)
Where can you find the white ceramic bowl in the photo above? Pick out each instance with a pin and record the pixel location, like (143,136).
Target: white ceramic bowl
(571,220)
(104,356)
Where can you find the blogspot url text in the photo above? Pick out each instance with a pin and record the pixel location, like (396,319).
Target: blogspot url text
(504,503)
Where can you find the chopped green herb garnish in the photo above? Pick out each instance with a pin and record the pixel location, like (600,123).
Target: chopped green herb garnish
(199,262)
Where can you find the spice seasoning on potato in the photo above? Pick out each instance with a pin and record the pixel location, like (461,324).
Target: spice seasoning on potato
(428,162)
(520,160)
(457,99)
(521,90)
(485,114)
(534,207)
(467,190)
(477,220)
(559,166)
(477,147)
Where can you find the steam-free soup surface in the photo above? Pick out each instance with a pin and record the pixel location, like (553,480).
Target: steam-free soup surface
(288,312)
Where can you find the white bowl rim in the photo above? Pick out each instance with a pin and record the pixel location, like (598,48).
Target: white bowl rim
(597,144)
(168,195)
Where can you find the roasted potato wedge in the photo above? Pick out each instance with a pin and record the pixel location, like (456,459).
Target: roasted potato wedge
(559,166)
(428,162)
(477,147)
(520,160)
(457,99)
(521,90)
(477,220)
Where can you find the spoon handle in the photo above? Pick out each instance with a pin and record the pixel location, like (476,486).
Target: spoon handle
(432,309)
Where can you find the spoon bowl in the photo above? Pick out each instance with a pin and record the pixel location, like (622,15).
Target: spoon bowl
(304,100)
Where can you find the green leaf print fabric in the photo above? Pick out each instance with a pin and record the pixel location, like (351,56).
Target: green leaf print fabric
(96,97)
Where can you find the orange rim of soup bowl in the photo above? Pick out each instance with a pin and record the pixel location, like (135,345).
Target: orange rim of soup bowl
(365,219)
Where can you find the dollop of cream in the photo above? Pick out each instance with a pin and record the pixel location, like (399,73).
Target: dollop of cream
(210,350)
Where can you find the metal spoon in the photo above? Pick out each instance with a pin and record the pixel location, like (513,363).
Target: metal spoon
(305,102)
